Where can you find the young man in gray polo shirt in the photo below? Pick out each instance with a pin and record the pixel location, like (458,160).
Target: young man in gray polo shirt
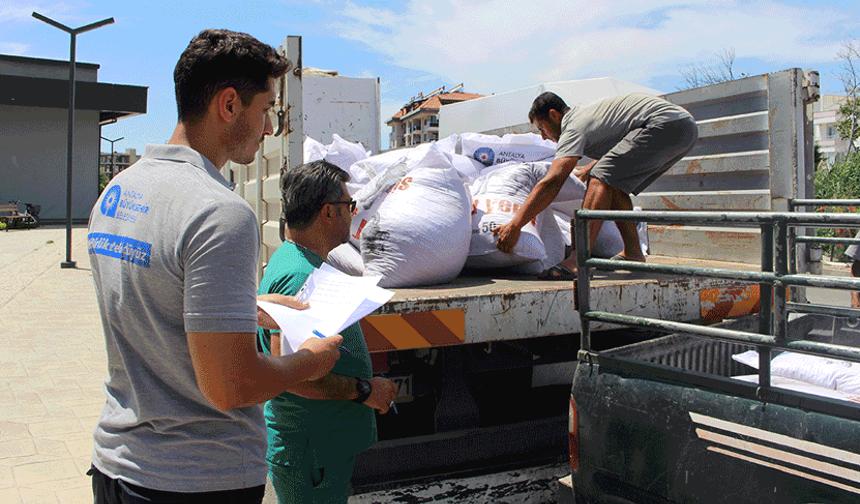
(633,138)
(174,254)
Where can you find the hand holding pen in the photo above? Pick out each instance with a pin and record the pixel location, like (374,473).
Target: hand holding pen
(383,393)
(342,348)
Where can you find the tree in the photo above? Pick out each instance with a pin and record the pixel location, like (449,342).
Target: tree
(848,126)
(103,181)
(849,75)
(702,75)
(840,180)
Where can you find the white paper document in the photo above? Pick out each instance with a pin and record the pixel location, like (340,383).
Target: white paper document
(336,301)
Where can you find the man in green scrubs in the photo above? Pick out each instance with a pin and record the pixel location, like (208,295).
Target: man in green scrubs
(316,429)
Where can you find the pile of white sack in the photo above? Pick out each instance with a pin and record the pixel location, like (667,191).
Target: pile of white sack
(823,376)
(426,212)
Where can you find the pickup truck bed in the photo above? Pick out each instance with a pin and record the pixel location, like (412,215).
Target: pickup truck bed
(662,421)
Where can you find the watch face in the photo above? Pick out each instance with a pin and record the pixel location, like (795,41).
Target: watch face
(363,387)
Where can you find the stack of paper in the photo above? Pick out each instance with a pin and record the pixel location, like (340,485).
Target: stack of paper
(336,302)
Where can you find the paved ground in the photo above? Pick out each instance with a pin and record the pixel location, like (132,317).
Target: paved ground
(52,365)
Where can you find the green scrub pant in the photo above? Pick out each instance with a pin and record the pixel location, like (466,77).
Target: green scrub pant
(307,483)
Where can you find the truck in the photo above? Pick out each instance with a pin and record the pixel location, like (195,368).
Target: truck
(485,362)
(677,418)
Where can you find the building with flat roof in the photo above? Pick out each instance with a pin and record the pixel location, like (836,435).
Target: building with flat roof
(111,164)
(825,118)
(34,116)
(418,121)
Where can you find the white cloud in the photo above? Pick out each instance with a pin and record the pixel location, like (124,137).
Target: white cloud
(499,45)
(13,48)
(18,11)
(14,11)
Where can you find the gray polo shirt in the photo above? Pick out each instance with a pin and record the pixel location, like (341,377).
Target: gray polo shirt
(592,129)
(173,250)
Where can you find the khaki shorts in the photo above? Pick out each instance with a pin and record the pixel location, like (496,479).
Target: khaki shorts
(646,153)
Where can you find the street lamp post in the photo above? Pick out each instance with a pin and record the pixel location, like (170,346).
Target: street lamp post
(68,263)
(112,158)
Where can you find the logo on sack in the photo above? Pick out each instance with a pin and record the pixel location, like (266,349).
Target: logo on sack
(111,201)
(484,155)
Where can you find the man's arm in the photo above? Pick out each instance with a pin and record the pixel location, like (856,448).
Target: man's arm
(582,173)
(231,373)
(541,197)
(334,386)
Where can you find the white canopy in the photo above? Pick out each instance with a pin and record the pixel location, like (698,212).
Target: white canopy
(508,112)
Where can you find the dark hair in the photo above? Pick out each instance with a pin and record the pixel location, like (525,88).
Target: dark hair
(307,188)
(544,103)
(218,59)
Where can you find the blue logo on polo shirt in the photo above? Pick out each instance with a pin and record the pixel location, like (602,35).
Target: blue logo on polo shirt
(111,201)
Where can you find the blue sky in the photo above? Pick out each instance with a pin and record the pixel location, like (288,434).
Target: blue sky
(491,46)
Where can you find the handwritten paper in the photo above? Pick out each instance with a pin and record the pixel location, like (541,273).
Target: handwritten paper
(336,301)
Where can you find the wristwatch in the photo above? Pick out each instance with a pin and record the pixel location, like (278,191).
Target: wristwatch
(364,388)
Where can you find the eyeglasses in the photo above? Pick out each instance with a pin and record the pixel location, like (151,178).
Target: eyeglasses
(351,203)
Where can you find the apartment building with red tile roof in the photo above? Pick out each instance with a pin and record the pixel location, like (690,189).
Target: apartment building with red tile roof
(418,121)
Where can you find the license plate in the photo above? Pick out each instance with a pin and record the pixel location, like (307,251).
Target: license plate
(404,384)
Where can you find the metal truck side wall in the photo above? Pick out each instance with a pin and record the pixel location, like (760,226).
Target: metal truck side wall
(344,105)
(751,155)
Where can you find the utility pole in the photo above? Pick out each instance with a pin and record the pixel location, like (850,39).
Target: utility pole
(68,263)
(112,158)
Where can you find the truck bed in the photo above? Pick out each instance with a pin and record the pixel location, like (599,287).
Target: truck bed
(485,306)
(663,421)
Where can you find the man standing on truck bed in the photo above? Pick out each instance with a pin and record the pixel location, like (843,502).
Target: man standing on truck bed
(633,138)
(317,428)
(174,256)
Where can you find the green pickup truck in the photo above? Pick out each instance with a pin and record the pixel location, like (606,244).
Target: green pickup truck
(691,418)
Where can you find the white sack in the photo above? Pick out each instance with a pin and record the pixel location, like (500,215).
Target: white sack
(492,150)
(347,259)
(609,241)
(468,168)
(489,212)
(343,153)
(498,194)
(313,150)
(824,372)
(388,169)
(801,386)
(362,171)
(420,233)
(553,242)
(448,144)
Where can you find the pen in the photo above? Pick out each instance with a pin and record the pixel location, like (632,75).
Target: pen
(341,347)
(391,404)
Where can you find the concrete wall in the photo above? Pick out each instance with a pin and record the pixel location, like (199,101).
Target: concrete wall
(33,159)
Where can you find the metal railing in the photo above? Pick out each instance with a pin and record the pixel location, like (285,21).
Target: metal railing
(774,278)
